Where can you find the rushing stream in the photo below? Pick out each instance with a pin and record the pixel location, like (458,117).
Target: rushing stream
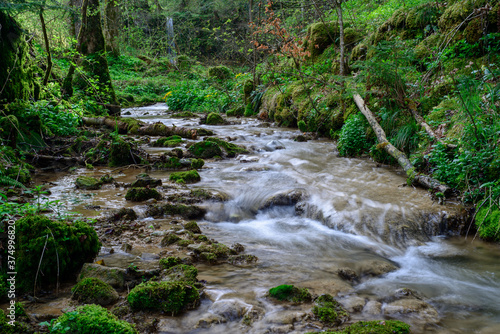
(352,214)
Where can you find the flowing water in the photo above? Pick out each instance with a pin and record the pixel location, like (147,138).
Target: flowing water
(353,214)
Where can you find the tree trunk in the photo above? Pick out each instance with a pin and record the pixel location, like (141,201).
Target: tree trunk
(74,17)
(423,180)
(47,48)
(112,24)
(342,40)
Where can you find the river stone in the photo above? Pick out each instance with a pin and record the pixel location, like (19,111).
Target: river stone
(288,197)
(208,319)
(373,307)
(114,276)
(144,180)
(230,309)
(274,145)
(327,286)
(375,267)
(285,317)
(353,303)
(348,274)
(88,183)
(246,159)
(413,307)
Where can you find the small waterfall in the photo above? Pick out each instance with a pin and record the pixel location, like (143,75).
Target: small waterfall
(171,40)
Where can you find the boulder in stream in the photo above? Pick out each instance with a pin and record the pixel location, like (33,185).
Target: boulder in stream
(144,180)
(92,290)
(274,145)
(413,307)
(88,183)
(142,194)
(288,197)
(111,275)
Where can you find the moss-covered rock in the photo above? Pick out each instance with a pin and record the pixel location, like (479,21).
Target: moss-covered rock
(169,239)
(144,180)
(376,326)
(91,319)
(172,297)
(329,311)
(290,293)
(455,14)
(110,275)
(320,36)
(219,72)
(236,111)
(120,153)
(142,194)
(192,226)
(191,176)
(88,183)
(65,246)
(359,52)
(170,262)
(215,119)
(231,149)
(197,163)
(182,273)
(172,141)
(92,290)
(169,209)
(123,214)
(205,150)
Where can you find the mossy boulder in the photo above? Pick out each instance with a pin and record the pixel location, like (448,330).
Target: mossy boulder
(236,111)
(329,311)
(197,163)
(110,275)
(172,296)
(88,183)
(66,246)
(212,253)
(172,141)
(169,209)
(91,319)
(319,36)
(193,227)
(215,119)
(219,72)
(205,150)
(92,290)
(169,239)
(359,52)
(182,273)
(123,214)
(231,149)
(144,180)
(290,293)
(376,326)
(170,262)
(142,194)
(191,176)
(120,153)
(456,13)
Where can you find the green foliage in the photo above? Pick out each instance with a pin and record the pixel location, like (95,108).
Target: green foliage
(172,297)
(352,141)
(90,319)
(219,72)
(191,176)
(50,247)
(92,290)
(182,273)
(488,222)
(248,110)
(290,293)
(329,311)
(376,326)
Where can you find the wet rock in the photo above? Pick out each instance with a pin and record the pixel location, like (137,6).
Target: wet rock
(185,211)
(237,247)
(92,290)
(347,274)
(181,272)
(170,262)
(246,159)
(289,197)
(373,307)
(230,309)
(88,183)
(203,194)
(300,138)
(122,214)
(205,150)
(290,293)
(192,226)
(407,293)
(353,303)
(327,286)
(413,307)
(111,275)
(495,329)
(329,311)
(285,317)
(242,259)
(284,329)
(144,180)
(274,145)
(191,176)
(376,268)
(142,194)
(214,119)
(169,240)
(126,247)
(209,319)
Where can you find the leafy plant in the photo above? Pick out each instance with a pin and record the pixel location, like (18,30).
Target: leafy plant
(352,141)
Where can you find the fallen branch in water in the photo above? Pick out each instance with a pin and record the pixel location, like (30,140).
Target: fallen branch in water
(160,129)
(423,180)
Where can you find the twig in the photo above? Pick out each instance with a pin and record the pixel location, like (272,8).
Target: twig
(39,265)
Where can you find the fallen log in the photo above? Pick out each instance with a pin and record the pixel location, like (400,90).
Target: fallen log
(428,129)
(108,122)
(423,180)
(160,129)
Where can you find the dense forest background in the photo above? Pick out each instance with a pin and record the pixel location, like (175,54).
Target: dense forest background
(427,71)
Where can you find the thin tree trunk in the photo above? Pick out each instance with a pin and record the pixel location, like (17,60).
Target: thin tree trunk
(47,48)
(428,129)
(423,180)
(342,40)
(112,22)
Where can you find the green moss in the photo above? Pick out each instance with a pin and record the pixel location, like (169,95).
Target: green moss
(290,293)
(248,110)
(170,262)
(329,311)
(191,176)
(88,183)
(422,16)
(120,153)
(92,290)
(237,111)
(488,222)
(183,272)
(91,319)
(141,194)
(172,297)
(205,149)
(170,239)
(474,31)
(192,226)
(219,72)
(19,173)
(320,36)
(455,13)
(170,163)
(183,114)
(197,163)
(123,214)
(231,149)
(215,119)
(351,36)
(302,126)
(201,237)
(376,326)
(172,141)
(184,242)
(65,246)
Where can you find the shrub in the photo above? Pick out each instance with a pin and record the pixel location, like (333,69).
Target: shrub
(65,247)
(353,141)
(91,319)
(219,72)
(171,297)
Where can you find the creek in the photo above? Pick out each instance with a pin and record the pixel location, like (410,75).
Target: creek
(352,213)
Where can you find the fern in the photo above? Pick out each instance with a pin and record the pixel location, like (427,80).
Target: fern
(8,181)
